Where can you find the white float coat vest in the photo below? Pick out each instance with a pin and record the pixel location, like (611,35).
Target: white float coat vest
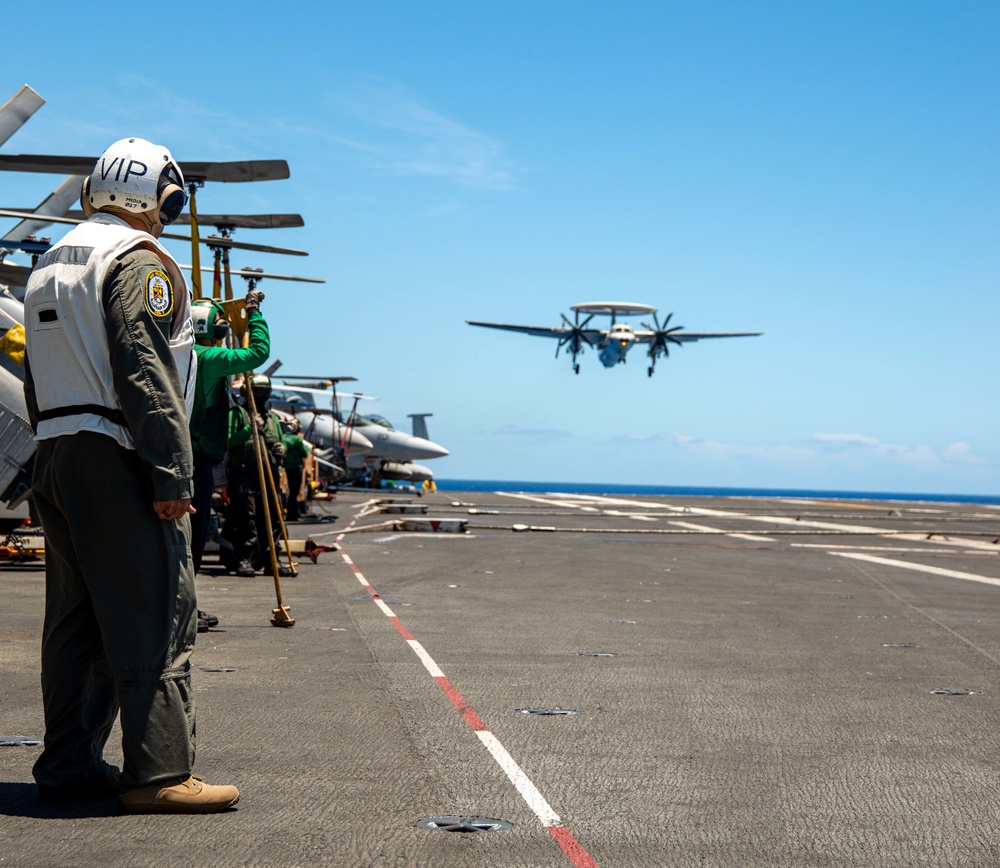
(75,367)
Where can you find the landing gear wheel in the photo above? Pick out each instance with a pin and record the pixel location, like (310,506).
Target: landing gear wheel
(576,369)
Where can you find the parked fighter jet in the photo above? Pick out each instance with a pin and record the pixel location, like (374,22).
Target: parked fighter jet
(614,343)
(393,453)
(319,426)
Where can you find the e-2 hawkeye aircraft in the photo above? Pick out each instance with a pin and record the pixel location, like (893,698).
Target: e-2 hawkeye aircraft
(614,343)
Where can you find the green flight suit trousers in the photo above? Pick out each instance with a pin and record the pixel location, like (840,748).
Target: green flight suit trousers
(120,617)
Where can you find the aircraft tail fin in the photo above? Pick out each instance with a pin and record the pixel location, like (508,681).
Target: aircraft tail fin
(420,424)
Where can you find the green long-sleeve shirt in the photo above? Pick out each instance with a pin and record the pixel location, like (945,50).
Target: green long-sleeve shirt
(296,450)
(240,436)
(211,401)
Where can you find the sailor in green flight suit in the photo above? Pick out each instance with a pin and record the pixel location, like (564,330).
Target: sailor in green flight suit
(210,416)
(246,512)
(297,451)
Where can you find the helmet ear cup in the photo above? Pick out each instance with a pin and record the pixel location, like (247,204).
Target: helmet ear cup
(88,209)
(171,202)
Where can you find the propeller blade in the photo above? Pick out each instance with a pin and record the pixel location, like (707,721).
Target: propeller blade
(226,241)
(208,241)
(244,170)
(255,274)
(226,221)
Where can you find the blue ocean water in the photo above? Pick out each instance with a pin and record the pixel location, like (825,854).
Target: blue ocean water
(615,489)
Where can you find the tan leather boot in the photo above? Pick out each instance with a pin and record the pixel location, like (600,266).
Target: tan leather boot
(179,796)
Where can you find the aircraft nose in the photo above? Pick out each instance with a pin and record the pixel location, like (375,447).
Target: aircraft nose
(421,448)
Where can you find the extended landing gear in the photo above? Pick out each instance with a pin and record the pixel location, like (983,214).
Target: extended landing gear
(649,371)
(576,369)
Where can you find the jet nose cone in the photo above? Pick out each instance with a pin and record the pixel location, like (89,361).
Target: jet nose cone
(421,448)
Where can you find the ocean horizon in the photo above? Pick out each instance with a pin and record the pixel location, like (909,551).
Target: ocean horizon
(707,491)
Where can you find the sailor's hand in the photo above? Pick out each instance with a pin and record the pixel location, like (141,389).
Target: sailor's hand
(253,300)
(171,510)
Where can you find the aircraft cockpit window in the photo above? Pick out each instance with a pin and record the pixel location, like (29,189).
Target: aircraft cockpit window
(301,400)
(375,419)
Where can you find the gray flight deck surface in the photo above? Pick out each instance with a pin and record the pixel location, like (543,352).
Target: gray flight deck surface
(759,697)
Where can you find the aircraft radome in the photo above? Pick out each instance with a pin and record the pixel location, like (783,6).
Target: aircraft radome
(614,343)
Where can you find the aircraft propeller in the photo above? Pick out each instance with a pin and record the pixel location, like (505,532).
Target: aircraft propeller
(210,241)
(662,336)
(575,338)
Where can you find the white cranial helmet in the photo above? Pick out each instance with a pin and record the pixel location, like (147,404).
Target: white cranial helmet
(202,317)
(134,176)
(205,316)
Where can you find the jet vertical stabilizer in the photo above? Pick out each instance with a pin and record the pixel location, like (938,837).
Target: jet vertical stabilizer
(420,425)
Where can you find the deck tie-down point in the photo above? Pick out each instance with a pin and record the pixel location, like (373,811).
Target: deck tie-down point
(18,741)
(554,711)
(464,824)
(951,691)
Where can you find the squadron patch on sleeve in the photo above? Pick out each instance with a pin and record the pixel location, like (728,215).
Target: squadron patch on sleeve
(159,294)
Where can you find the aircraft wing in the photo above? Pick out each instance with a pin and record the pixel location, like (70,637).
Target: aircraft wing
(645,337)
(15,275)
(540,331)
(16,111)
(57,202)
(311,391)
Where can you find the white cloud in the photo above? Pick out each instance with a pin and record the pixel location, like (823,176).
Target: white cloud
(846,438)
(957,453)
(403,136)
(717,449)
(532,433)
(961,453)
(830,445)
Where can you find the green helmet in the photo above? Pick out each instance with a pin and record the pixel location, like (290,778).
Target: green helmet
(204,312)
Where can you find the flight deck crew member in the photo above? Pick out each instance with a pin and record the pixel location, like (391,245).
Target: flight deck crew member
(210,416)
(246,512)
(108,379)
(297,451)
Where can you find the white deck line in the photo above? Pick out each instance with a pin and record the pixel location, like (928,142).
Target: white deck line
(920,568)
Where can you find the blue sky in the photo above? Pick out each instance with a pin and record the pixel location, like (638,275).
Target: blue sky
(823,172)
